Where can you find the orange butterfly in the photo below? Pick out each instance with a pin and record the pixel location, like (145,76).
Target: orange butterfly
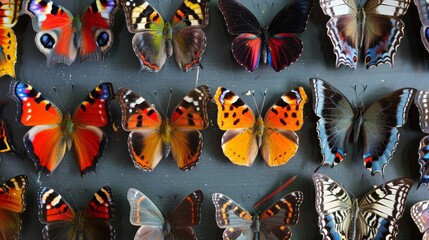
(274,134)
(152,137)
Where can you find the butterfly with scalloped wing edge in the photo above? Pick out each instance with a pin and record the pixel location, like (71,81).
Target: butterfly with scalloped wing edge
(152,137)
(420,214)
(62,37)
(421,100)
(9,14)
(155,40)
(153,224)
(277,42)
(369,26)
(12,203)
(63,223)
(375,216)
(274,134)
(273,223)
(53,133)
(378,123)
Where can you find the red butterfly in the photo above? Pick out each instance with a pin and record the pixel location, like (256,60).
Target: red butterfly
(62,222)
(52,132)
(152,137)
(60,35)
(12,202)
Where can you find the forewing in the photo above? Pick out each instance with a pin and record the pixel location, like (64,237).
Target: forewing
(143,211)
(192,13)
(382,207)
(52,207)
(424,161)
(420,214)
(292,18)
(238,19)
(333,205)
(423,8)
(380,128)
(421,100)
(55,31)
(188,212)
(335,123)
(9,11)
(96,36)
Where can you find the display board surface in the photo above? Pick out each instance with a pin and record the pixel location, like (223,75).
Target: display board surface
(167,185)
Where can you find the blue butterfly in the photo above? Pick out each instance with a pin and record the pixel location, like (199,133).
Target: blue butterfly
(339,120)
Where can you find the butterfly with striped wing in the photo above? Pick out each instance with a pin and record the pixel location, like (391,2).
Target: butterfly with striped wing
(420,214)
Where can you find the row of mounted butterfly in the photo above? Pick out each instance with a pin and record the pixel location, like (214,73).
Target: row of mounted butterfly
(371,26)
(375,216)
(153,137)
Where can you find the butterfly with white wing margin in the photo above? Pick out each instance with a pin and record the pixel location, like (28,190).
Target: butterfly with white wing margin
(371,26)
(420,214)
(374,216)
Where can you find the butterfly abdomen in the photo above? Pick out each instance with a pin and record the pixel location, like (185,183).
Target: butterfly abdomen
(165,132)
(259,127)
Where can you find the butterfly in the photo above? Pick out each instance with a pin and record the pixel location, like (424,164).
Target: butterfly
(152,137)
(61,36)
(274,134)
(421,100)
(12,203)
(420,214)
(272,223)
(379,124)
(155,40)
(277,42)
(371,26)
(423,8)
(374,216)
(153,225)
(9,11)
(62,222)
(53,133)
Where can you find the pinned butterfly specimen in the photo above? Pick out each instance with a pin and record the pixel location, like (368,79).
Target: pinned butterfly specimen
(272,223)
(421,100)
(12,203)
(62,36)
(155,39)
(371,27)
(420,214)
(9,10)
(339,121)
(154,225)
(423,8)
(152,137)
(274,134)
(375,216)
(53,133)
(62,222)
(277,42)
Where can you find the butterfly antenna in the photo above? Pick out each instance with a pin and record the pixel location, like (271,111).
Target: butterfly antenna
(169,100)
(268,197)
(363,95)
(263,100)
(59,99)
(254,101)
(159,103)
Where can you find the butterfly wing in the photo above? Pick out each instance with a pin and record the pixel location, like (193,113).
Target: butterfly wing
(380,128)
(421,101)
(335,123)
(144,213)
(275,221)
(186,215)
(9,10)
(144,142)
(382,207)
(96,36)
(55,32)
(383,30)
(423,8)
(189,116)
(239,142)
(12,202)
(419,213)
(88,139)
(5,145)
(343,30)
(424,161)
(45,142)
(189,41)
(246,47)
(333,205)
(279,142)
(284,47)
(231,216)
(148,41)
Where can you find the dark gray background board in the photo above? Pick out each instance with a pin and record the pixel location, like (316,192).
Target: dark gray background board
(167,185)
